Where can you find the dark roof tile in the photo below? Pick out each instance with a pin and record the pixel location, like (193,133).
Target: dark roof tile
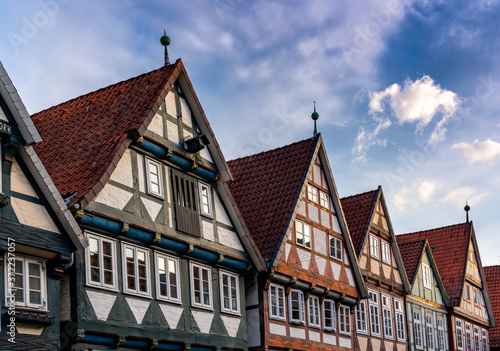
(410,253)
(492,274)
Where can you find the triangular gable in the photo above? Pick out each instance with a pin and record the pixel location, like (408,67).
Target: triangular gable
(427,253)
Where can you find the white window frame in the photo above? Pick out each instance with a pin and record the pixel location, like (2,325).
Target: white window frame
(313,314)
(400,319)
(485,340)
(387,313)
(147,253)
(467,294)
(476,297)
(476,339)
(292,309)
(429,331)
(329,325)
(468,337)
(278,292)
(324,200)
(441,338)
(312,193)
(230,290)
(426,275)
(305,235)
(201,268)
(386,251)
(361,322)
(11,289)
(459,332)
(374,312)
(344,320)
(148,162)
(168,282)
(417,329)
(201,187)
(336,248)
(374,246)
(101,284)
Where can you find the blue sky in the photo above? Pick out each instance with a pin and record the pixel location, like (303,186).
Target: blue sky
(408,92)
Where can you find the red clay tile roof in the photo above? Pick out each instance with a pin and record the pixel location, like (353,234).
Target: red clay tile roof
(449,247)
(410,253)
(82,136)
(492,274)
(266,187)
(357,211)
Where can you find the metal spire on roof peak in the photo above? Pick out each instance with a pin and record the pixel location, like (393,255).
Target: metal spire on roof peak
(315,116)
(165,41)
(467,209)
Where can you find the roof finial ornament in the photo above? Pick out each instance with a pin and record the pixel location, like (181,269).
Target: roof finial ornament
(467,209)
(165,41)
(315,116)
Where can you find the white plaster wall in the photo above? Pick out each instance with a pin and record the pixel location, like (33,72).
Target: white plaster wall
(208,230)
(314,336)
(229,238)
(336,225)
(152,207)
(101,303)
(141,173)
(349,277)
(313,212)
(344,342)
(329,339)
(319,241)
(114,197)
(19,182)
(172,314)
(317,175)
(287,251)
(321,263)
(186,113)
(156,125)
(336,269)
(298,333)
(138,308)
(172,132)
(305,258)
(33,215)
(220,213)
(232,324)
(203,320)
(277,329)
(170,104)
(123,171)
(325,218)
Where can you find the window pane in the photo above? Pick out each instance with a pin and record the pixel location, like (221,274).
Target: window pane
(34,269)
(35,283)
(106,248)
(35,297)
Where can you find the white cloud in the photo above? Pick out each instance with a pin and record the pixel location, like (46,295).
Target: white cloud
(417,102)
(480,151)
(366,140)
(458,197)
(416,194)
(426,190)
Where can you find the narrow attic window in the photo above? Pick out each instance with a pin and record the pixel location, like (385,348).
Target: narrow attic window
(374,246)
(303,234)
(154,178)
(323,199)
(185,192)
(335,248)
(312,193)
(205,199)
(386,252)
(426,272)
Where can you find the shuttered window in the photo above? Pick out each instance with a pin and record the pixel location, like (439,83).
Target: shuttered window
(186,203)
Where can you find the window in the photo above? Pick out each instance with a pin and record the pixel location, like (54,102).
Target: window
(440,325)
(361,325)
(429,328)
(460,342)
(230,292)
(374,246)
(476,297)
(201,286)
(29,282)
(386,308)
(312,193)
(303,234)
(386,252)
(374,313)
(335,248)
(296,306)
(417,329)
(276,302)
(101,262)
(468,340)
(400,319)
(323,199)
(135,270)
(313,312)
(205,199)
(184,189)
(467,292)
(485,341)
(167,278)
(426,275)
(344,320)
(154,178)
(328,315)
(476,338)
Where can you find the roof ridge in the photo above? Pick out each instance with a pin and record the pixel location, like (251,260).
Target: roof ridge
(271,150)
(114,85)
(438,228)
(359,194)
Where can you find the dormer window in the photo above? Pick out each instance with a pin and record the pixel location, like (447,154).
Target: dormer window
(154,178)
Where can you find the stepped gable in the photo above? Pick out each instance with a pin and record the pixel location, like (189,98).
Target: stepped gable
(83,138)
(357,211)
(266,187)
(449,247)
(492,274)
(411,251)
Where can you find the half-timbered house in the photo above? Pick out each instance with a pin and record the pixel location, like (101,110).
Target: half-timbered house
(38,234)
(457,258)
(167,260)
(427,304)
(380,320)
(305,298)
(492,274)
